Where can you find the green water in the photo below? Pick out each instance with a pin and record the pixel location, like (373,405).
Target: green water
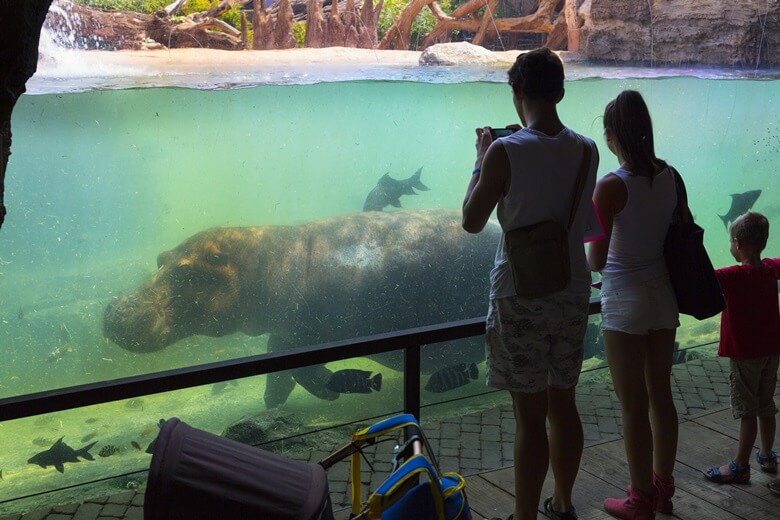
(101,181)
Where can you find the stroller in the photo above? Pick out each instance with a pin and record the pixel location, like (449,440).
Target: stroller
(198,475)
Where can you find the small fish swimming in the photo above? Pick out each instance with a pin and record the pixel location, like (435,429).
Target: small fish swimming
(108,450)
(388,191)
(42,441)
(89,437)
(135,445)
(452,377)
(150,448)
(353,381)
(59,454)
(740,203)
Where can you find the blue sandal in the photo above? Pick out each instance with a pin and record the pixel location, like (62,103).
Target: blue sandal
(737,475)
(768,463)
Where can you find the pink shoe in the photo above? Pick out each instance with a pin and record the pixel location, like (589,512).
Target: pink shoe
(664,491)
(637,506)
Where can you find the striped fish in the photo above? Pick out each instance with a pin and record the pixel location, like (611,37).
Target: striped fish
(452,377)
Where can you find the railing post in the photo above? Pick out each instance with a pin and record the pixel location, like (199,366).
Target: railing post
(412,380)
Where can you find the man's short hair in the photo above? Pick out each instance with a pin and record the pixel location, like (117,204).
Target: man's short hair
(751,229)
(538,74)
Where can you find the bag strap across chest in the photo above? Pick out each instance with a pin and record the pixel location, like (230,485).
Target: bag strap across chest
(581,176)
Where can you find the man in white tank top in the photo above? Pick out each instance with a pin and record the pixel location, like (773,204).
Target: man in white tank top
(534,346)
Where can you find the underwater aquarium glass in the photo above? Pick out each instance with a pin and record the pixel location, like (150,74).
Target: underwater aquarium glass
(105,449)
(102,181)
(108,171)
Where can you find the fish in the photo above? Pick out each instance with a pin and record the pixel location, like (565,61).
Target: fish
(59,454)
(452,377)
(135,445)
(89,437)
(42,441)
(20,313)
(150,448)
(353,381)
(108,450)
(58,353)
(740,203)
(388,191)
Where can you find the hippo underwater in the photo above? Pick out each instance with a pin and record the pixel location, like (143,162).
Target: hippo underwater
(339,278)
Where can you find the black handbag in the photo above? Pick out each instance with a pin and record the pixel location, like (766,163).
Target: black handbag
(690,269)
(538,254)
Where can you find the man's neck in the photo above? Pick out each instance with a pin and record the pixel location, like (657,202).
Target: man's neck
(544,118)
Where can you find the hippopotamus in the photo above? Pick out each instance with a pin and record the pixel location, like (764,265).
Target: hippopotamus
(339,278)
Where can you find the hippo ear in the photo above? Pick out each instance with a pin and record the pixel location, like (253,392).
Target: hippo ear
(163,258)
(219,258)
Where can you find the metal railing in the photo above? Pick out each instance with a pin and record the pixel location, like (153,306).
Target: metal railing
(409,340)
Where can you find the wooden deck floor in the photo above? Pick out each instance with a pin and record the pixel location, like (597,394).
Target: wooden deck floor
(705,441)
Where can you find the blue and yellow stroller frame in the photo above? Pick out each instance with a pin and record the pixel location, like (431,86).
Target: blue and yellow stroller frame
(416,488)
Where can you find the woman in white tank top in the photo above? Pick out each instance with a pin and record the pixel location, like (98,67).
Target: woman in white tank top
(639,309)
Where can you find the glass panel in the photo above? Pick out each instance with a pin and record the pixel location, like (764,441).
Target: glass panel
(117,435)
(451,372)
(131,173)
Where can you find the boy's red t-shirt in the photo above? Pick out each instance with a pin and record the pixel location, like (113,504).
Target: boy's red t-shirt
(750,324)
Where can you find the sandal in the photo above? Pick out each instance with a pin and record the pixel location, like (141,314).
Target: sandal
(774,486)
(549,512)
(736,475)
(768,463)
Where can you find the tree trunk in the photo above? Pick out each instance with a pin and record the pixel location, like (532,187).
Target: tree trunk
(262,37)
(572,25)
(336,32)
(351,25)
(464,19)
(486,26)
(369,16)
(398,36)
(315,25)
(283,37)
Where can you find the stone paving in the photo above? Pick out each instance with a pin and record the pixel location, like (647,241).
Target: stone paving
(469,444)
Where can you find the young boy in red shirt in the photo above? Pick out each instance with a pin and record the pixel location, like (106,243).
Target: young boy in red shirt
(750,336)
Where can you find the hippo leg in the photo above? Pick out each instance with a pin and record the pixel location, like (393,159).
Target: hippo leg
(278,385)
(314,379)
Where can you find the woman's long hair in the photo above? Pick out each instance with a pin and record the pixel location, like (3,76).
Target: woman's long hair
(629,120)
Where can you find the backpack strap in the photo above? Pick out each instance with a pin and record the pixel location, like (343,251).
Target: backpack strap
(584,167)
(682,213)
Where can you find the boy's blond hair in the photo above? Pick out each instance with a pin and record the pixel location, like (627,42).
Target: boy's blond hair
(751,229)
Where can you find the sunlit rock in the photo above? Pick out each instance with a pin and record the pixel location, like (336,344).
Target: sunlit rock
(460,53)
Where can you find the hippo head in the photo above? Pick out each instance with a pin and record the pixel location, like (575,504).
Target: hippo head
(195,291)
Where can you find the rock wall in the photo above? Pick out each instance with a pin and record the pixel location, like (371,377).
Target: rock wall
(677,32)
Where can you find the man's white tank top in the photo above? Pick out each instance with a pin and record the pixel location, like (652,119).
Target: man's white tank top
(544,173)
(636,250)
